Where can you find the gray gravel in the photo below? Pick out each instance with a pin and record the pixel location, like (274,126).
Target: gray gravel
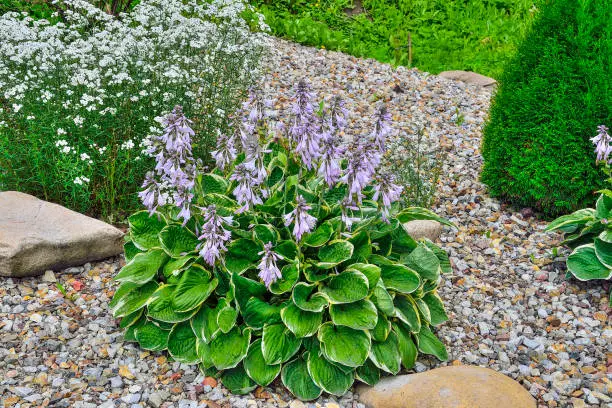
(511,308)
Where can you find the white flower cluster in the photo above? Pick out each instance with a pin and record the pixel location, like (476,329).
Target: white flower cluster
(86,75)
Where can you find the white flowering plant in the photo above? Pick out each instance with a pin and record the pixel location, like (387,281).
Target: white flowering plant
(288,259)
(78,96)
(588,231)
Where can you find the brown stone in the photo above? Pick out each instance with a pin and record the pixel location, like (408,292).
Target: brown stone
(423,229)
(469,78)
(36,236)
(447,387)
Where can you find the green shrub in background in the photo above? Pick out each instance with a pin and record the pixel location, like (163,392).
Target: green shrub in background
(473,35)
(552,95)
(35,8)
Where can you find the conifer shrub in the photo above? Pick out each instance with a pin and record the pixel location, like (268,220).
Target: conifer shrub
(536,144)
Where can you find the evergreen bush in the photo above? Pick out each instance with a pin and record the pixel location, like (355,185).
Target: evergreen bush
(552,95)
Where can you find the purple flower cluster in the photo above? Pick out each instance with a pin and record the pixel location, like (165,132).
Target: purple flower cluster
(602,143)
(246,177)
(387,191)
(305,130)
(331,159)
(268,271)
(213,235)
(363,159)
(226,151)
(382,127)
(175,166)
(302,221)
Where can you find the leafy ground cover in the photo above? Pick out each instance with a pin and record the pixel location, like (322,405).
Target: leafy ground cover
(473,35)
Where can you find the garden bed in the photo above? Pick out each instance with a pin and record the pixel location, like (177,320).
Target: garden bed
(510,307)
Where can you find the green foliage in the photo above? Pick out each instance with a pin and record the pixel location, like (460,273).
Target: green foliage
(36,9)
(351,304)
(589,233)
(552,96)
(474,35)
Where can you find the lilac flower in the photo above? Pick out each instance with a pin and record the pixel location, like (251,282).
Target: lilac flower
(387,191)
(255,160)
(214,235)
(175,165)
(362,164)
(226,151)
(335,117)
(268,271)
(331,157)
(152,195)
(303,222)
(382,127)
(602,143)
(244,193)
(305,130)
(346,206)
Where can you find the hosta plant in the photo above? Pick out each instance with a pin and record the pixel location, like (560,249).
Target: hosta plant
(289,259)
(588,230)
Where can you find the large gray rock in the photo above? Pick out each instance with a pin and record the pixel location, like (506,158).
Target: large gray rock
(36,235)
(469,78)
(447,387)
(423,229)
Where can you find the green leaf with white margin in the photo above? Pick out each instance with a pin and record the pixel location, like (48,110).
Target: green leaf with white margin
(423,309)
(334,253)
(606,236)
(328,376)
(418,213)
(319,236)
(124,289)
(130,319)
(445,265)
(245,288)
(145,229)
(130,250)
(405,344)
(194,288)
(436,308)
(143,267)
(382,329)
(406,310)
(226,319)
(382,299)
(430,344)
(257,368)
(176,265)
(300,322)
(385,354)
(296,378)
(603,250)
(400,278)
(177,240)
(287,282)
(360,315)
(424,261)
(371,271)
(584,264)
(266,233)
(133,300)
(571,222)
(203,351)
(152,337)
(227,350)
(287,249)
(204,323)
(182,344)
(349,286)
(237,381)
(303,298)
(161,306)
(278,344)
(368,373)
(603,207)
(344,345)
(242,254)
(258,313)
(212,183)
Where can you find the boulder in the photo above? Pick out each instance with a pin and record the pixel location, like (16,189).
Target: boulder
(36,236)
(469,78)
(447,387)
(423,229)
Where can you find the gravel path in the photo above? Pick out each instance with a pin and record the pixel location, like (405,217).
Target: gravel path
(510,307)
